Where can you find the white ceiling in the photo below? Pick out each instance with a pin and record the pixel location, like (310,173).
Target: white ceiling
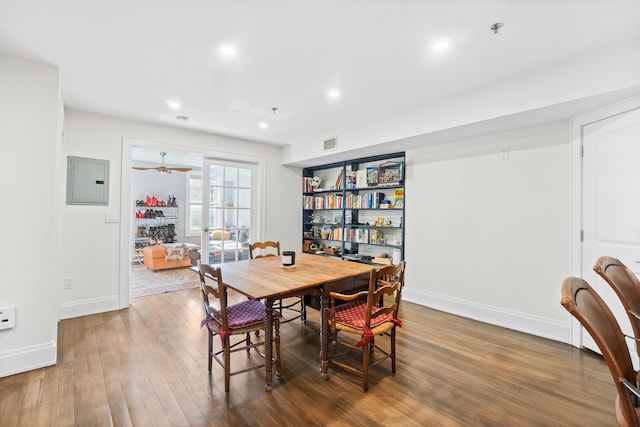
(127,58)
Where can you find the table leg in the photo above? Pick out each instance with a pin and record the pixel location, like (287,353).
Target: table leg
(268,344)
(324,336)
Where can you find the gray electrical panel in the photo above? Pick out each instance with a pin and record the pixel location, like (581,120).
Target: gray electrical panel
(87,181)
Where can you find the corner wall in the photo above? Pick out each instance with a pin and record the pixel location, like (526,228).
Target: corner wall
(488,238)
(30,131)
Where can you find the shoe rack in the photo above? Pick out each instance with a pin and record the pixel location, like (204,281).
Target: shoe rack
(155,223)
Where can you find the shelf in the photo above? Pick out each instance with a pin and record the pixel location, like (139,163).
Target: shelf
(373,209)
(355,199)
(375,227)
(159,228)
(158,217)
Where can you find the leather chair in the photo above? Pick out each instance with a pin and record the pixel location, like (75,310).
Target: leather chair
(584,303)
(627,286)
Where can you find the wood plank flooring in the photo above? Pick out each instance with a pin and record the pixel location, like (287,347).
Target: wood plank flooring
(146,366)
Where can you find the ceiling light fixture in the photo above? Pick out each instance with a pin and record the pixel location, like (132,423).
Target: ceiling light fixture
(227,50)
(333,94)
(496,27)
(263,125)
(174,105)
(441,45)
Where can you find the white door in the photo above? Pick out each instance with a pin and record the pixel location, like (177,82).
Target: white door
(228,202)
(611,203)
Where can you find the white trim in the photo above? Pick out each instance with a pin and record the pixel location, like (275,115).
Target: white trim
(187,202)
(89,306)
(546,328)
(28,358)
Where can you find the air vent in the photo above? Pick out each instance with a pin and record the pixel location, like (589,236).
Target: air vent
(330,144)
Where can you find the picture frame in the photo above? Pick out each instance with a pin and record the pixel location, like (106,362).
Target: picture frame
(390,173)
(372,176)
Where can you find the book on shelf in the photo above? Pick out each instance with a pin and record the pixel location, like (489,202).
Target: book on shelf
(398,195)
(350,179)
(338,185)
(361,178)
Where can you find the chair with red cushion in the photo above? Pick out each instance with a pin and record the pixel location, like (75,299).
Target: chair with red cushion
(229,320)
(584,303)
(295,304)
(367,315)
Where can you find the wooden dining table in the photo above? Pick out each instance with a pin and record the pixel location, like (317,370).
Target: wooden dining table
(267,279)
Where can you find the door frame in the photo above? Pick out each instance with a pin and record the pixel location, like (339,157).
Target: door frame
(126,208)
(578,124)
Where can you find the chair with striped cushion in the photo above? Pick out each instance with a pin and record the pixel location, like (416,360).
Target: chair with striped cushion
(367,315)
(295,304)
(226,321)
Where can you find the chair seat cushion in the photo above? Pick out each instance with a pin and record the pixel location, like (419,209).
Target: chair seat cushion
(247,313)
(352,315)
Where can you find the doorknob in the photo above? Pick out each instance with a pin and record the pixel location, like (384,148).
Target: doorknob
(206,229)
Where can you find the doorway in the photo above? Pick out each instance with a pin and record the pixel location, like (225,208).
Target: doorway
(127,200)
(609,210)
(159,196)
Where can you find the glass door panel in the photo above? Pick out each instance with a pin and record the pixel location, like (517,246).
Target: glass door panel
(228,207)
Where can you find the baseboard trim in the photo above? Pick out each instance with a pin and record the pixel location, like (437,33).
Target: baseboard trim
(89,306)
(521,322)
(28,358)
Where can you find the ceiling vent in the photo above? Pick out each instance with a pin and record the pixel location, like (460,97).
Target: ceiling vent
(330,144)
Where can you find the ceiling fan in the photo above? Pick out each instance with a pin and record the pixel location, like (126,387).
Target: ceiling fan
(163,169)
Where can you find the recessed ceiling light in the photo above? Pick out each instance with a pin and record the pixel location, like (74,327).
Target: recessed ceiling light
(174,105)
(441,45)
(227,50)
(333,94)
(263,125)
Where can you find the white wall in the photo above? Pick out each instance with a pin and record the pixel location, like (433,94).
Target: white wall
(489,238)
(91,246)
(30,131)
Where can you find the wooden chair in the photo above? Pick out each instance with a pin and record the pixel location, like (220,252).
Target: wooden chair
(627,286)
(584,303)
(229,320)
(297,305)
(368,314)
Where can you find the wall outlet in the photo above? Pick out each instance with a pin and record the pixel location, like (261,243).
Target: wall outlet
(68,283)
(7,317)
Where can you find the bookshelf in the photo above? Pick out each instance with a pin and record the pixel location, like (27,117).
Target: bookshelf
(355,209)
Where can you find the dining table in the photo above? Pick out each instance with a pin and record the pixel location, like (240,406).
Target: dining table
(269,280)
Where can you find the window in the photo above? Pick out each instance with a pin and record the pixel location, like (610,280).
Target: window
(193,211)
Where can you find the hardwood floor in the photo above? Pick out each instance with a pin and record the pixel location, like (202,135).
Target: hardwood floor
(146,366)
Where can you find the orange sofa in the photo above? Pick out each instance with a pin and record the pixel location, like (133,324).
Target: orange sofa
(161,257)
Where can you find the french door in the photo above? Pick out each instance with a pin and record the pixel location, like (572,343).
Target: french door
(228,210)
